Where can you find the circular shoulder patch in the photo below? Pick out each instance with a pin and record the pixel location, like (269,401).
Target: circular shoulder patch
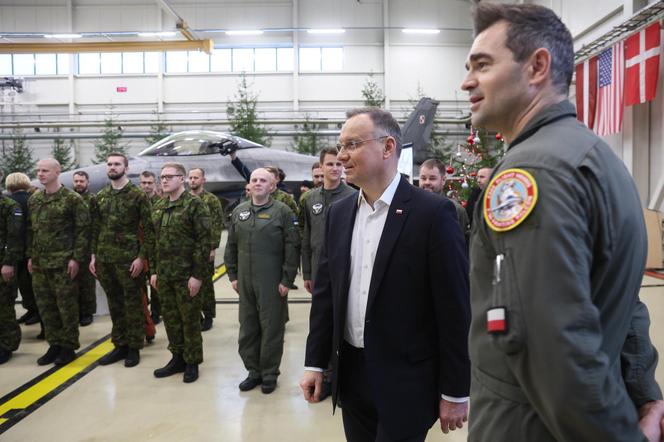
(317,208)
(510,197)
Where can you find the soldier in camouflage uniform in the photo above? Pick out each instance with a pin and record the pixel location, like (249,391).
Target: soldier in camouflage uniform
(208,301)
(120,211)
(11,251)
(87,296)
(262,256)
(182,224)
(58,241)
(148,183)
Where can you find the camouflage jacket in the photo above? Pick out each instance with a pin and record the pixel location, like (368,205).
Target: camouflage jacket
(286,198)
(117,218)
(216,217)
(59,228)
(11,221)
(88,197)
(182,229)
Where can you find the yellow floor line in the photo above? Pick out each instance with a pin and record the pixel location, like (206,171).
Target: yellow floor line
(50,383)
(220,272)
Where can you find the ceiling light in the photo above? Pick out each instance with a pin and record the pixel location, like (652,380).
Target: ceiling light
(63,35)
(246,32)
(158,34)
(420,31)
(326,31)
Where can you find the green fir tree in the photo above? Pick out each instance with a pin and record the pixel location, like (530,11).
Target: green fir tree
(243,115)
(62,152)
(158,131)
(307,141)
(109,142)
(372,93)
(18,156)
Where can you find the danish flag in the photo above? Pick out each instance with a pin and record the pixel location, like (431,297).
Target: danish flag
(642,65)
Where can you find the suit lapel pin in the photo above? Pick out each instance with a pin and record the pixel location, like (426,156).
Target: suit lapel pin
(399,211)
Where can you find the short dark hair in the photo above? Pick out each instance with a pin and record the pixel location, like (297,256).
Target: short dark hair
(331,150)
(435,163)
(119,154)
(530,27)
(382,120)
(147,173)
(198,168)
(282,174)
(316,165)
(82,173)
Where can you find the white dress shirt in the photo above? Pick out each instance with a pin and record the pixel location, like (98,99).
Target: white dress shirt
(368,228)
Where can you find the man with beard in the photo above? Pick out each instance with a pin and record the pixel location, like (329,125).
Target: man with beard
(148,183)
(208,302)
(182,225)
(261,256)
(120,211)
(483,176)
(58,242)
(432,179)
(317,175)
(87,297)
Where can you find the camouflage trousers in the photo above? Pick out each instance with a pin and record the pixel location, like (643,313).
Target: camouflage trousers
(57,299)
(24,277)
(262,315)
(182,319)
(10,332)
(208,301)
(125,303)
(87,296)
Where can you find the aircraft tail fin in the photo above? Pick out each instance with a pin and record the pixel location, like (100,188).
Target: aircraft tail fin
(418,127)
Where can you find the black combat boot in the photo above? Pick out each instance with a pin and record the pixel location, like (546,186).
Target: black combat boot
(5,355)
(268,386)
(175,365)
(250,383)
(50,356)
(118,354)
(133,357)
(65,357)
(190,373)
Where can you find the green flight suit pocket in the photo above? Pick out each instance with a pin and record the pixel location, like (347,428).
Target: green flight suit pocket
(506,295)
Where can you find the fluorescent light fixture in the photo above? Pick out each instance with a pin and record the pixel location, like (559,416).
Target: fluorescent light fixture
(326,31)
(245,32)
(63,35)
(158,34)
(420,31)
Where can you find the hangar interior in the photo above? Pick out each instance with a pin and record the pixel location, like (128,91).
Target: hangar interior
(139,62)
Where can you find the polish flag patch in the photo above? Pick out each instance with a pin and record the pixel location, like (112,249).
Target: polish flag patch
(496,320)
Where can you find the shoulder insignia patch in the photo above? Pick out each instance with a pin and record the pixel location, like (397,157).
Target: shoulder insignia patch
(510,197)
(18,212)
(244,215)
(317,208)
(264,215)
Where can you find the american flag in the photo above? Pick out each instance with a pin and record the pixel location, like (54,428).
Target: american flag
(609,113)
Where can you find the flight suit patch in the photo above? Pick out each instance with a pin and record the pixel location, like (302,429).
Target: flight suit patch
(264,215)
(18,212)
(317,208)
(244,215)
(509,199)
(496,320)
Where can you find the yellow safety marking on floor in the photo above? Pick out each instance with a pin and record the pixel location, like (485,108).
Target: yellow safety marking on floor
(221,271)
(55,380)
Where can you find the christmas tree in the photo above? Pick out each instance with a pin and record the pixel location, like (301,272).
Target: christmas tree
(18,156)
(158,131)
(306,140)
(109,142)
(62,152)
(243,115)
(480,150)
(372,93)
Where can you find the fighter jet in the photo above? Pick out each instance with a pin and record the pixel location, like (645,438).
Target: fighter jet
(206,150)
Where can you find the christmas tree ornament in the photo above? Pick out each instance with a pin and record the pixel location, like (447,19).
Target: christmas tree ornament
(499,136)
(464,184)
(450,170)
(477,139)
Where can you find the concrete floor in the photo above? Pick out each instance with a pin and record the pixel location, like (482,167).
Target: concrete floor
(115,403)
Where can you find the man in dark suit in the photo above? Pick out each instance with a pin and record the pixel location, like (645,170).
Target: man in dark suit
(390,299)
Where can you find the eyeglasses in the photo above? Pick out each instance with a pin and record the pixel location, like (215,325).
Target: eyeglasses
(168,177)
(354,145)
